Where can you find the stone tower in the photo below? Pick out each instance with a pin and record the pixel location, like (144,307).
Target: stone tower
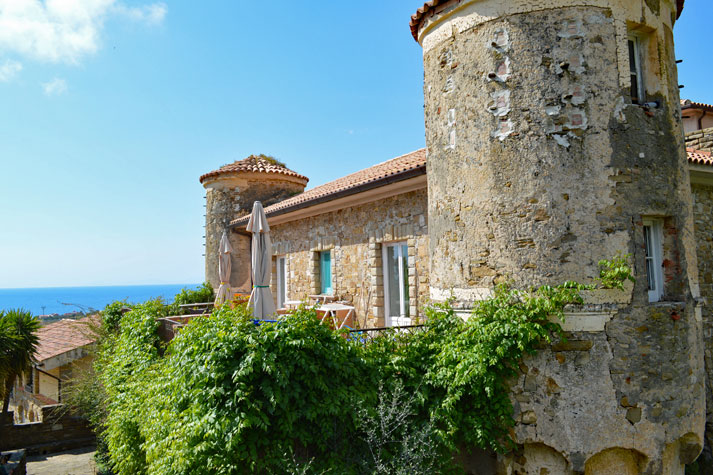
(230,193)
(554,140)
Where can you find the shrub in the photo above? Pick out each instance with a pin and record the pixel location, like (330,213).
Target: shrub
(230,396)
(204,293)
(615,271)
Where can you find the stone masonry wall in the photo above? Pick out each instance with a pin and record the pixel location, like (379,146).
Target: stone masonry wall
(230,197)
(700,139)
(58,430)
(538,167)
(355,236)
(703,212)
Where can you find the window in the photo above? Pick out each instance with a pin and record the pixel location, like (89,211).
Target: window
(635,70)
(325,272)
(396,292)
(653,235)
(281,281)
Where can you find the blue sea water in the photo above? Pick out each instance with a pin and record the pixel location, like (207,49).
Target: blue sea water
(49,300)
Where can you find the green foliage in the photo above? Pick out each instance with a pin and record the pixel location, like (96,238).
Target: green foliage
(614,272)
(125,365)
(235,397)
(18,342)
(229,396)
(269,159)
(111,315)
(204,293)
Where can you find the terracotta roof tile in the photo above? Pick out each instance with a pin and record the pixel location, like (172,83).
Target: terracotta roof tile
(61,337)
(689,104)
(255,164)
(699,157)
(411,162)
(428,7)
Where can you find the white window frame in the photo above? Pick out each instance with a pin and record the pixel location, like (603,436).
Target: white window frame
(638,69)
(281,298)
(653,254)
(389,319)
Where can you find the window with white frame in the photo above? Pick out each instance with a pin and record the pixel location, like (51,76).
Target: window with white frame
(653,245)
(638,95)
(396,291)
(281,281)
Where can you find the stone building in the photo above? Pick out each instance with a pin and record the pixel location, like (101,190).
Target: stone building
(555,138)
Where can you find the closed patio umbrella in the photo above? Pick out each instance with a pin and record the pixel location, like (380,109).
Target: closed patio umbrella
(224,265)
(260,297)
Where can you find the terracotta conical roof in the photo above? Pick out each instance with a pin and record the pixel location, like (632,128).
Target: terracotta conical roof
(255,164)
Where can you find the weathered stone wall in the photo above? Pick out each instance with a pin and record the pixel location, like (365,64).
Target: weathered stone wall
(229,197)
(539,167)
(355,236)
(703,212)
(57,430)
(700,139)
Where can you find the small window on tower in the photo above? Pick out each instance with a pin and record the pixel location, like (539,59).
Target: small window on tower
(653,246)
(635,70)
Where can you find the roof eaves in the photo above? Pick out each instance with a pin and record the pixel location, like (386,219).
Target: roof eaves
(360,188)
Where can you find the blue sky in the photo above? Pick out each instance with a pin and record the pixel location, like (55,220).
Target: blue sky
(112,109)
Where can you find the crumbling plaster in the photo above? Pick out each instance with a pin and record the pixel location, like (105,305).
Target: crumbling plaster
(457,16)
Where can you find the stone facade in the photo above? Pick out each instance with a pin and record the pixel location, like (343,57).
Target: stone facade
(703,212)
(539,166)
(355,236)
(700,139)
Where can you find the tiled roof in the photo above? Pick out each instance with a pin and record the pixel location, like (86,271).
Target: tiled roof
(699,157)
(403,167)
(689,104)
(255,164)
(61,337)
(433,4)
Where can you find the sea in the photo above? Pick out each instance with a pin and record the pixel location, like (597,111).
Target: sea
(65,300)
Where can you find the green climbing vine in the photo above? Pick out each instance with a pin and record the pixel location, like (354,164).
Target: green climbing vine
(229,396)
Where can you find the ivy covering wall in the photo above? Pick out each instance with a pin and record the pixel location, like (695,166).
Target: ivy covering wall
(229,396)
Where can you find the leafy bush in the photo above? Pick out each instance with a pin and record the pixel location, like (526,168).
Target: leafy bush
(204,293)
(230,396)
(125,365)
(614,272)
(111,315)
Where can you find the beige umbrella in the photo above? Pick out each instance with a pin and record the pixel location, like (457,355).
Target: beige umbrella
(224,251)
(261,297)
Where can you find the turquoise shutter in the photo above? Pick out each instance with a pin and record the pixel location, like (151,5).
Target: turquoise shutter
(326,271)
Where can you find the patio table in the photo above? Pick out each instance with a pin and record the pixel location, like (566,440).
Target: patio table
(331,309)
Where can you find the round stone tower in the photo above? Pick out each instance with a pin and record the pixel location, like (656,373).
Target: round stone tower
(554,140)
(231,191)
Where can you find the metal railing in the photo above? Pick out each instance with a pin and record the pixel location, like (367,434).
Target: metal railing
(367,335)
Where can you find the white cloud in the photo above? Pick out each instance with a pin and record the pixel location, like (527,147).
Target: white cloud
(63,30)
(9,69)
(55,87)
(149,14)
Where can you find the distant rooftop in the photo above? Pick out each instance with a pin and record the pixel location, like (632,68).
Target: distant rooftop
(62,336)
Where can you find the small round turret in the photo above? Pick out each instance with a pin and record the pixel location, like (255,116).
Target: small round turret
(230,193)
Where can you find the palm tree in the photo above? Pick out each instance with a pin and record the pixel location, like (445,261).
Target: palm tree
(18,343)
